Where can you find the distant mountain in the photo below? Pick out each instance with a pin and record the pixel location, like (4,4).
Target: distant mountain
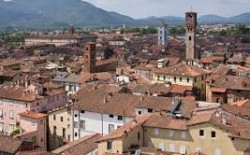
(170,20)
(215,19)
(205,19)
(242,18)
(58,12)
(212,19)
(61,13)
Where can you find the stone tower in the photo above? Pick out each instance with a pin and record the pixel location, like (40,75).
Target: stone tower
(162,34)
(191,24)
(90,58)
(71,30)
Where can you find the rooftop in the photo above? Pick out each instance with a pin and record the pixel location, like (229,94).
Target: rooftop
(181,69)
(33,114)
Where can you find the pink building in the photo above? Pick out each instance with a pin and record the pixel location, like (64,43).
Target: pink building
(16,99)
(34,128)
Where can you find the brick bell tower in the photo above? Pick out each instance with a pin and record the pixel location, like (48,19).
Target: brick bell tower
(90,57)
(191,25)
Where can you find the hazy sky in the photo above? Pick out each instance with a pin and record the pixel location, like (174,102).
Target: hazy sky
(145,8)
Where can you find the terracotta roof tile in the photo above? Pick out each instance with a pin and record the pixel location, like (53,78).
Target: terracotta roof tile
(33,114)
(156,103)
(100,101)
(9,145)
(181,70)
(180,89)
(81,146)
(166,122)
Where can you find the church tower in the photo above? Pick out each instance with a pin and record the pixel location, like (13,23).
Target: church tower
(90,58)
(191,24)
(163,34)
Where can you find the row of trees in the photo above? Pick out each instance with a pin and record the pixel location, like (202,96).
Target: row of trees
(149,30)
(177,30)
(239,30)
(10,37)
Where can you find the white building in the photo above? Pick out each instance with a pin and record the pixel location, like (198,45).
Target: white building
(101,112)
(162,34)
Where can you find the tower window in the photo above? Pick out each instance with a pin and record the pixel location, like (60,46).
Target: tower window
(190,38)
(201,133)
(213,134)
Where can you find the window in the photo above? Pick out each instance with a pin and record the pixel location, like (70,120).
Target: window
(109,145)
(190,38)
(1,112)
(82,124)
(63,132)
(54,117)
(11,126)
(202,78)
(150,110)
(183,149)
(174,79)
(75,115)
(11,103)
(217,151)
(180,79)
(1,127)
(195,79)
(161,146)
(75,125)
(75,134)
(171,133)
(61,119)
(157,131)
(187,80)
(120,118)
(111,116)
(54,130)
(213,134)
(183,135)
(82,111)
(11,114)
(138,135)
(111,128)
(201,132)
(171,148)
(139,112)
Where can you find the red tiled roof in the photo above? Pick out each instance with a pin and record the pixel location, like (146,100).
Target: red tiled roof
(181,70)
(218,90)
(33,114)
(81,146)
(166,122)
(180,89)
